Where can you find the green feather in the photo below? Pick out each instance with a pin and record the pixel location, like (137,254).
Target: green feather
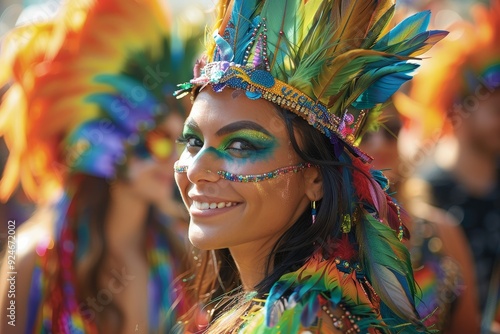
(279,29)
(388,267)
(378,27)
(338,73)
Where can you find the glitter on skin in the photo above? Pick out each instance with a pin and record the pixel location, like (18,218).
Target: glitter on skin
(252,177)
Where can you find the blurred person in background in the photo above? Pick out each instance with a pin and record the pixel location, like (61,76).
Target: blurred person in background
(458,91)
(441,261)
(90,125)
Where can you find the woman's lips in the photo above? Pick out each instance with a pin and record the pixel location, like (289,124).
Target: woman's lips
(213,205)
(206,209)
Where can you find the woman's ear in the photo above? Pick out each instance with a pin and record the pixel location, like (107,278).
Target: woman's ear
(313,183)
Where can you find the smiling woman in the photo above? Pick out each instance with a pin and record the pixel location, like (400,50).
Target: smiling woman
(299,235)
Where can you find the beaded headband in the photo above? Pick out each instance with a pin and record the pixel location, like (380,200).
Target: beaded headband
(326,62)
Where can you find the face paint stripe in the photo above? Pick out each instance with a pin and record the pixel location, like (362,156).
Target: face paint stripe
(252,177)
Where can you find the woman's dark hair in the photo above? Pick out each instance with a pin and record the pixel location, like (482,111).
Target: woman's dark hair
(296,245)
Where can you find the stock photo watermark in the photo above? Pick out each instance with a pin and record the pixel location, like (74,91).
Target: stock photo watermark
(95,304)
(11,272)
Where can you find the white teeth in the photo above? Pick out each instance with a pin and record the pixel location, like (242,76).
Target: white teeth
(211,206)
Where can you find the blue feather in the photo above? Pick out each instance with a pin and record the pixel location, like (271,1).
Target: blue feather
(415,45)
(224,51)
(242,27)
(309,313)
(389,80)
(407,29)
(276,292)
(380,178)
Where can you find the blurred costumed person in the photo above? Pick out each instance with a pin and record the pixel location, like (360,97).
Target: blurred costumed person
(297,231)
(458,91)
(440,261)
(90,123)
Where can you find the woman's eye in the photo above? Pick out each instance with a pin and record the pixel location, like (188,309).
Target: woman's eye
(194,142)
(241,149)
(241,145)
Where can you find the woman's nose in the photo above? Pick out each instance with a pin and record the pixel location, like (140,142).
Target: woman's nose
(203,167)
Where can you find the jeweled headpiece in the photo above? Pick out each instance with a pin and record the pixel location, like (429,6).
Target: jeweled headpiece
(327,61)
(85,89)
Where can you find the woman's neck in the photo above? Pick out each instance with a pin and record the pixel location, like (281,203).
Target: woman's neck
(251,262)
(125,220)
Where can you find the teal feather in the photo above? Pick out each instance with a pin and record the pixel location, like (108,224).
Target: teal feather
(387,264)
(384,82)
(279,29)
(340,72)
(310,311)
(224,50)
(407,29)
(416,45)
(242,24)
(380,178)
(362,85)
(273,300)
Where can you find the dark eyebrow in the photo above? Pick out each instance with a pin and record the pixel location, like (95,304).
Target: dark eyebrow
(241,125)
(191,123)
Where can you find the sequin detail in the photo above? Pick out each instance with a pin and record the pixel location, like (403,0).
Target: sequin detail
(253,177)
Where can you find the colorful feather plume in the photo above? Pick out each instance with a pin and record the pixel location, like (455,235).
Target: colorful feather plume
(97,61)
(332,54)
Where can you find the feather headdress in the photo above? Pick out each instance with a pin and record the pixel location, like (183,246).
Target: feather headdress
(327,61)
(82,88)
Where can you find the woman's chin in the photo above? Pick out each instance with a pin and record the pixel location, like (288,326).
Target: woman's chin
(202,240)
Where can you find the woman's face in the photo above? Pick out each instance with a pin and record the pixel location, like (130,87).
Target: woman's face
(150,178)
(228,132)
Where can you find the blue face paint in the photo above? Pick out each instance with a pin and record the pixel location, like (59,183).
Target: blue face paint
(248,146)
(241,146)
